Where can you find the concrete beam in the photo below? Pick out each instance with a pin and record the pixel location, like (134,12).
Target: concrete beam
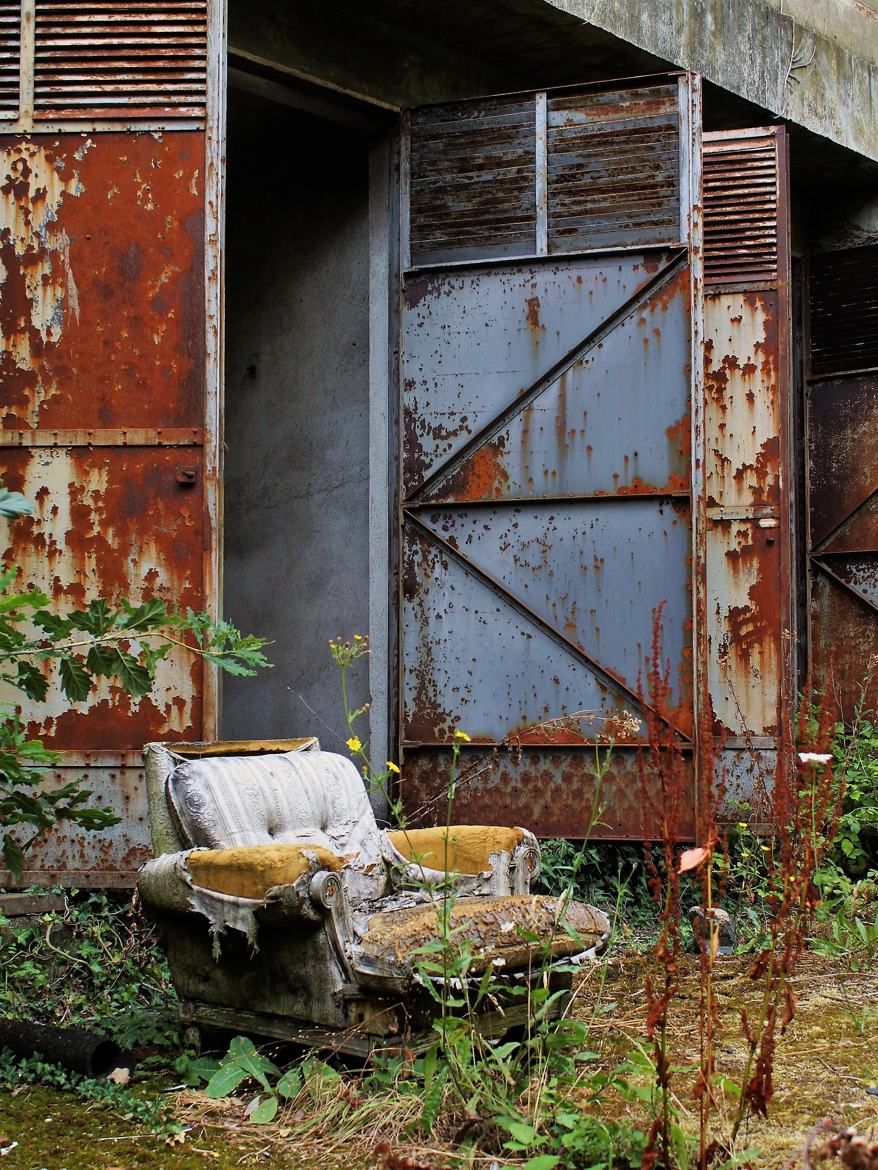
(758,51)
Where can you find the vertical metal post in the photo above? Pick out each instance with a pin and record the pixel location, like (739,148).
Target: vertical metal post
(381,223)
(542,174)
(214,196)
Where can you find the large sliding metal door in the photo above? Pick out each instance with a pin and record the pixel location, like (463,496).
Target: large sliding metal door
(109,340)
(550,417)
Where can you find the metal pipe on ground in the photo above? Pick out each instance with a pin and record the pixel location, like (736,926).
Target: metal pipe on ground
(74,1048)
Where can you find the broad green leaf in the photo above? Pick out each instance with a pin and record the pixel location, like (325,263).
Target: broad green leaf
(148,616)
(225,1080)
(243,1051)
(33,599)
(526,1134)
(265,1111)
(12,855)
(100,660)
(32,681)
(55,626)
(290,1084)
(134,677)
(542,1162)
(76,682)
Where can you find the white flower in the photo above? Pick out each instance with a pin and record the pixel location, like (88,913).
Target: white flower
(815,757)
(506,927)
(498,962)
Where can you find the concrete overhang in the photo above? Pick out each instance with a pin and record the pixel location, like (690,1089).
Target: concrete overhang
(813,64)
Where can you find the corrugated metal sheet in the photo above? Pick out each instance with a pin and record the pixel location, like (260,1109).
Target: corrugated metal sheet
(547,467)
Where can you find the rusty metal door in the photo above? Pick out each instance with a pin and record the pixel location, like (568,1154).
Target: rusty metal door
(550,311)
(749,531)
(108,354)
(842,452)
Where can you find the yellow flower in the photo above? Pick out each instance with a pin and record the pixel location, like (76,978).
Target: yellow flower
(391,767)
(358,637)
(742,824)
(354,743)
(462,737)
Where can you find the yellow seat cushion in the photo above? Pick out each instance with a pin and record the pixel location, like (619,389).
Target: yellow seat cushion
(502,928)
(250,871)
(468,850)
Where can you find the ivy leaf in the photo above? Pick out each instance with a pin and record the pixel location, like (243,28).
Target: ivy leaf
(32,681)
(76,682)
(133,676)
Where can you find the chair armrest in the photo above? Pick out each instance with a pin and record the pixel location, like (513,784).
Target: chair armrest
(281,879)
(164,884)
(510,856)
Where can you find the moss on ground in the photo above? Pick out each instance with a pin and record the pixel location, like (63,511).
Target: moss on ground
(824,1064)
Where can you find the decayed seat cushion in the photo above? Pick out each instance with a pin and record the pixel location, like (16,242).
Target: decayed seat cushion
(496,928)
(286,798)
(251,871)
(468,849)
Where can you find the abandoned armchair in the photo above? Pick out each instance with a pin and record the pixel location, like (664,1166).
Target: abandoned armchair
(285,911)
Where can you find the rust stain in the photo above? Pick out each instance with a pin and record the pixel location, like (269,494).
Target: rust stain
(482,476)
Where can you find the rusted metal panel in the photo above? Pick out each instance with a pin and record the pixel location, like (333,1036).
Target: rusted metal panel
(547,467)
(105,424)
(102,309)
(614,168)
(550,789)
(749,529)
(108,859)
(113,522)
(843,310)
(578,169)
(146,58)
(843,534)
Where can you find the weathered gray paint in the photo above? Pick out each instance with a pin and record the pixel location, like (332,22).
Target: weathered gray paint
(297,418)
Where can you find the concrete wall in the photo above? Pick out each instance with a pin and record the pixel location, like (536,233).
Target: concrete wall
(296,408)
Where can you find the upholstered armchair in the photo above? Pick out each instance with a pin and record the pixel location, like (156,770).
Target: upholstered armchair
(286,912)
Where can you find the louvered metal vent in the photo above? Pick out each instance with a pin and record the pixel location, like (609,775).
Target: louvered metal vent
(136,59)
(10,46)
(741,200)
(472,181)
(843,302)
(613,168)
(545,173)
